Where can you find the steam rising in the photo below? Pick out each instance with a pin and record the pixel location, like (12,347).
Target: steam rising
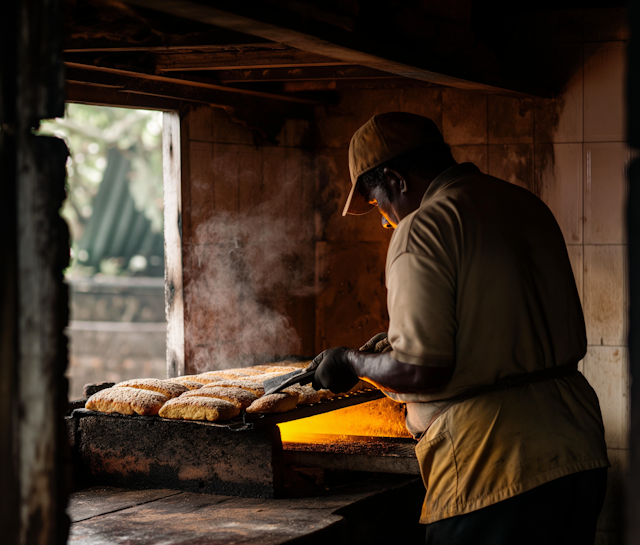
(243,269)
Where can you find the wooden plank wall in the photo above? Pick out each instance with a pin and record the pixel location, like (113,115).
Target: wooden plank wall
(226,176)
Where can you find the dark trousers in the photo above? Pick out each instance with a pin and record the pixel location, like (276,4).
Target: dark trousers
(561,512)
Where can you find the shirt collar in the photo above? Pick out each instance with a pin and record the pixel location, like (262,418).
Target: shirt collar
(449,175)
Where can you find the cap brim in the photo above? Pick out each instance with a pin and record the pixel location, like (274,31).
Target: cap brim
(356,204)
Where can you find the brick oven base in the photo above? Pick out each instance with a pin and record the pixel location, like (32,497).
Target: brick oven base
(150,452)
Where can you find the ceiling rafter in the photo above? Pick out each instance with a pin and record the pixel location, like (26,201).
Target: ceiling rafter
(359,54)
(219,93)
(230,60)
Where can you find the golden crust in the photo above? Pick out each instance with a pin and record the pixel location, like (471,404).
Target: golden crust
(208,379)
(277,370)
(185,378)
(226,373)
(237,396)
(255,387)
(274,403)
(199,408)
(169,389)
(306,394)
(191,384)
(248,371)
(125,400)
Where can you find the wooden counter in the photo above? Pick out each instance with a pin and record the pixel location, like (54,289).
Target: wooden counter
(375,509)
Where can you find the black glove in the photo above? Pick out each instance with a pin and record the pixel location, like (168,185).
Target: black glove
(377,344)
(333,371)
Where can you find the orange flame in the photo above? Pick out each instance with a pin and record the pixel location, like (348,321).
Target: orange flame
(379,418)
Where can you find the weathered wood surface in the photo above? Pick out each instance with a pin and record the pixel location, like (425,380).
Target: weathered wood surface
(375,510)
(317,73)
(194,518)
(633,233)
(218,94)
(35,250)
(101,500)
(229,60)
(82,93)
(174,302)
(117,47)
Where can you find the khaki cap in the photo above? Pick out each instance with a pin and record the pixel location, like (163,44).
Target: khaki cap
(379,140)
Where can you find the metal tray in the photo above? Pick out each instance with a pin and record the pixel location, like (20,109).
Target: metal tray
(247,421)
(304,411)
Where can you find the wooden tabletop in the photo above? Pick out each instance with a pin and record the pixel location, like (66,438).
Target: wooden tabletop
(375,506)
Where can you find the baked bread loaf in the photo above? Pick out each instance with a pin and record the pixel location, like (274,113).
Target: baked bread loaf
(184,378)
(125,400)
(237,396)
(306,394)
(199,408)
(253,386)
(274,403)
(208,379)
(191,384)
(169,389)
(277,370)
(226,373)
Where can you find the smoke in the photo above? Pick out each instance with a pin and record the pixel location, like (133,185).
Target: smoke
(244,268)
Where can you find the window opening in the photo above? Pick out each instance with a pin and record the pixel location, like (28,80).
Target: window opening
(114,209)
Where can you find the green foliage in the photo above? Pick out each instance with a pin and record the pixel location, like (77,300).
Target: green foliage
(90,131)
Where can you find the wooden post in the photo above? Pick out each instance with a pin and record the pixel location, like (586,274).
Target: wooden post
(174,303)
(633,232)
(35,251)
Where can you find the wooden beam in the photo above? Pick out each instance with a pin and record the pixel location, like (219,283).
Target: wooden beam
(389,82)
(174,302)
(162,90)
(80,93)
(314,44)
(299,73)
(119,48)
(233,60)
(218,94)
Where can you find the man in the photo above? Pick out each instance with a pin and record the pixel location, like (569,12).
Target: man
(485,331)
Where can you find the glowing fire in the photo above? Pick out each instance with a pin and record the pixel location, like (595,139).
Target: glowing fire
(379,418)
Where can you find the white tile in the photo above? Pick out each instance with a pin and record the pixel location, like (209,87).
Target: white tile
(576,257)
(605,189)
(606,369)
(604,92)
(605,295)
(560,169)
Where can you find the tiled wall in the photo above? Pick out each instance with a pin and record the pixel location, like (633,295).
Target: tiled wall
(570,151)
(272,188)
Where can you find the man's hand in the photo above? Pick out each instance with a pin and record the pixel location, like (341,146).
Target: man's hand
(377,344)
(333,371)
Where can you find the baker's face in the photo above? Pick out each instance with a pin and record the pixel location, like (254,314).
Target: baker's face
(379,197)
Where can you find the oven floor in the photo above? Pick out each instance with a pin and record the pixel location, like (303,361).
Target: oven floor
(378,509)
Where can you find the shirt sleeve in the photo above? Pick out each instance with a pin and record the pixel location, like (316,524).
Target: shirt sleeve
(422,309)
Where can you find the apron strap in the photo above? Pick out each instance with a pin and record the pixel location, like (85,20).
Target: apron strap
(507,382)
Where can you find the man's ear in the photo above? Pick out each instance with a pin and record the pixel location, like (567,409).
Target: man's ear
(396,180)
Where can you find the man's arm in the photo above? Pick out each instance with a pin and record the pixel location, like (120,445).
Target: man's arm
(392,375)
(339,369)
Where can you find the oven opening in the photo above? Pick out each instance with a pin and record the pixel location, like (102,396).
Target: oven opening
(114,209)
